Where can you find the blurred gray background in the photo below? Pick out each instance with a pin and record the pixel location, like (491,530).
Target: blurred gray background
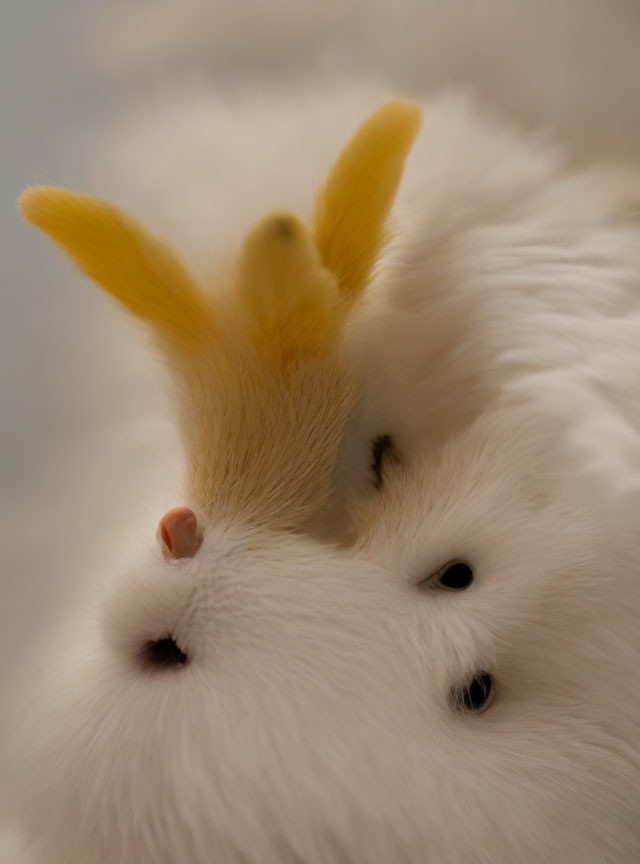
(110,97)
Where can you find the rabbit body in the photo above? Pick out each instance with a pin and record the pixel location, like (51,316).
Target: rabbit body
(315,718)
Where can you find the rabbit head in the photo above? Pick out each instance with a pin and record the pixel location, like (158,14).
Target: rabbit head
(265,391)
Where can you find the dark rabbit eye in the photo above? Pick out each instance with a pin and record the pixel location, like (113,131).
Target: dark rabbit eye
(454,576)
(475,695)
(381,448)
(163,654)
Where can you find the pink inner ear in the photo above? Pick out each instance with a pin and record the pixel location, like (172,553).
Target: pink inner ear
(178,533)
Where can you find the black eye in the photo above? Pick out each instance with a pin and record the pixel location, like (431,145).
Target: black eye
(453,576)
(381,447)
(475,695)
(163,654)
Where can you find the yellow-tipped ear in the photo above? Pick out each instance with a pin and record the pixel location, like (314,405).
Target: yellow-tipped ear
(352,208)
(141,272)
(291,299)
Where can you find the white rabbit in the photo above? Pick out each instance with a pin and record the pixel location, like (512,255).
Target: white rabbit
(394,624)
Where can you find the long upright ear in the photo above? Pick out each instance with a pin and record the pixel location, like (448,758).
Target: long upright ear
(352,208)
(142,273)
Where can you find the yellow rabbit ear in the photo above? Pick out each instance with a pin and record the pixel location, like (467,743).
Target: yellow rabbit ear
(116,252)
(290,299)
(352,208)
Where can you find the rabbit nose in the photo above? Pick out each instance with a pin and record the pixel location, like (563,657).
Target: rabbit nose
(178,534)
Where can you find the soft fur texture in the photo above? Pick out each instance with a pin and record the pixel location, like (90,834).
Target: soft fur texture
(313,722)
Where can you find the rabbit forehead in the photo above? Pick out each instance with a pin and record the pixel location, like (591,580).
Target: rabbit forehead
(262,437)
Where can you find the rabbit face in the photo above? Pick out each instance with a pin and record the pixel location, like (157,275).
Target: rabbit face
(338,704)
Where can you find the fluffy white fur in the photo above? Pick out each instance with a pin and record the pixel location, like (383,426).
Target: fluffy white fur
(313,723)
(509,271)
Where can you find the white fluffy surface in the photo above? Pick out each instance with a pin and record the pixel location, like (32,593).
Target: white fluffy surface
(229,114)
(566,63)
(313,721)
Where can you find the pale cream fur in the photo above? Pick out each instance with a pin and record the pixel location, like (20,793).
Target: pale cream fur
(313,722)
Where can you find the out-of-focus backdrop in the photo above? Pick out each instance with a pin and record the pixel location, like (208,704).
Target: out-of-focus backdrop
(161,105)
